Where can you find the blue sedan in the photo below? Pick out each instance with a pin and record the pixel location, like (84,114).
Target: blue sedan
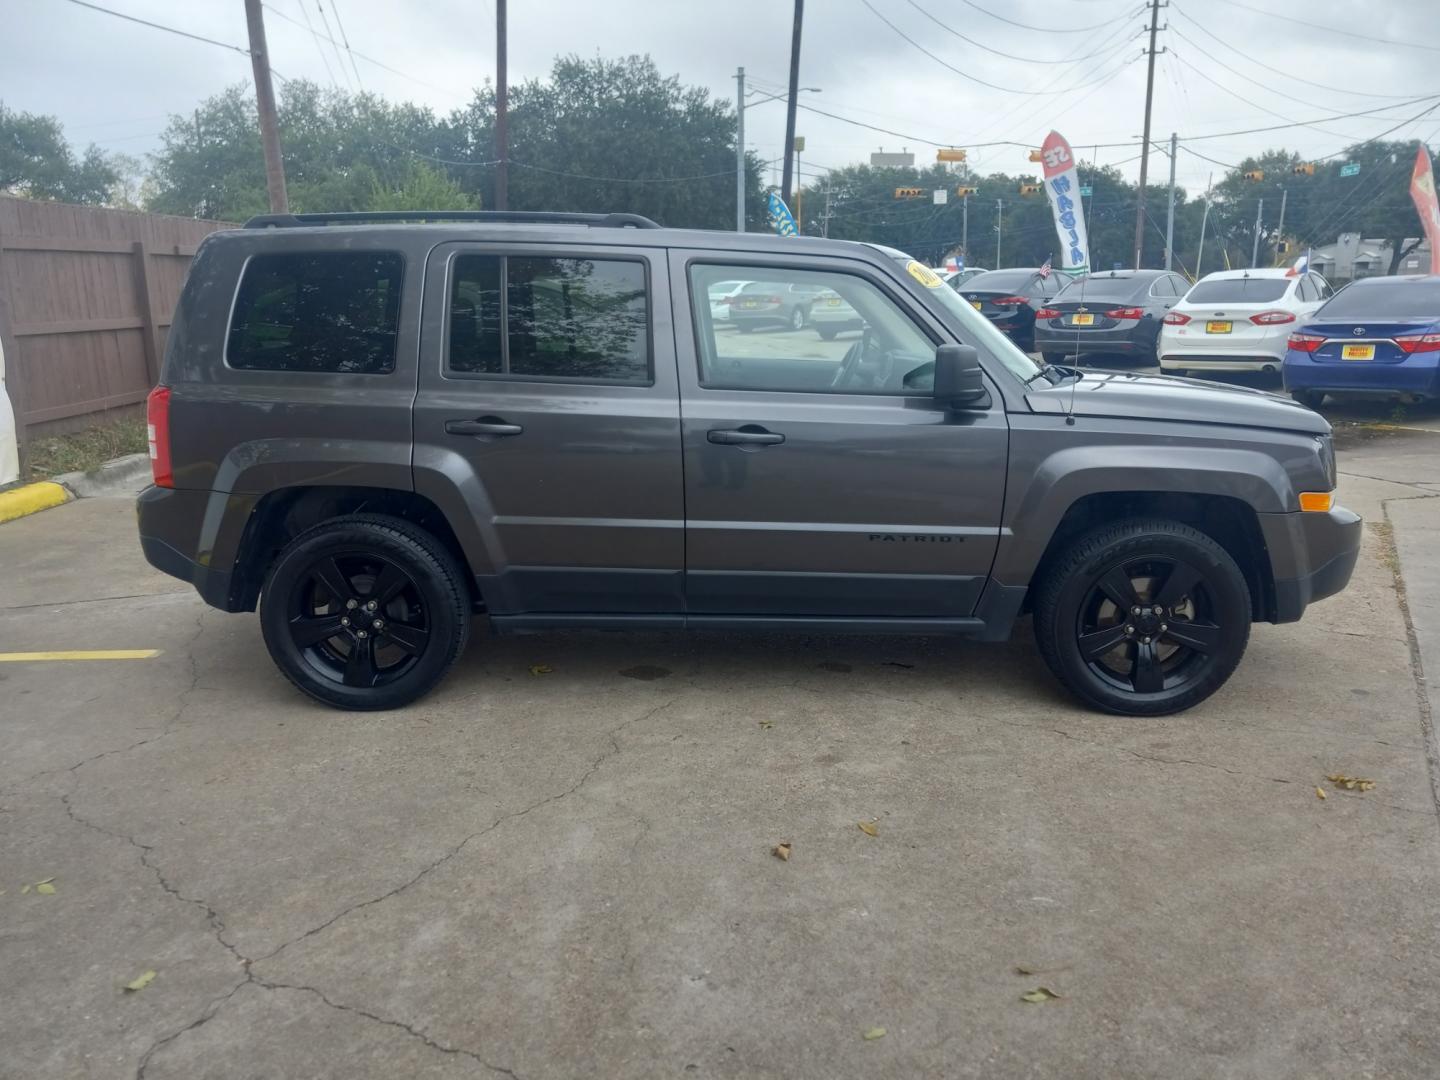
(1377,335)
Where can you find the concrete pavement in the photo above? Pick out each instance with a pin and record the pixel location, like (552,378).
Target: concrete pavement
(569,874)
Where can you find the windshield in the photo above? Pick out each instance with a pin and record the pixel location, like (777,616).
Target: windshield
(975,329)
(1103,288)
(1256,290)
(1402,300)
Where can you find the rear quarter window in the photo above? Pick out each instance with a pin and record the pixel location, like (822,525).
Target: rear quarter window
(334,312)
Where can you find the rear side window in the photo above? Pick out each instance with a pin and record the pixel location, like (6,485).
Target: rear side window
(331,311)
(541,317)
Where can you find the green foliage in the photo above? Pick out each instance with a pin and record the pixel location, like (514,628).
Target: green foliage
(37,162)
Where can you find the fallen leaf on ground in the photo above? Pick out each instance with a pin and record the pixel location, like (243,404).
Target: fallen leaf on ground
(1350,783)
(45,889)
(540,669)
(47,881)
(1039,995)
(1319,792)
(868,828)
(782,850)
(141,982)
(1021,969)
(871,1034)
(24,890)
(766,724)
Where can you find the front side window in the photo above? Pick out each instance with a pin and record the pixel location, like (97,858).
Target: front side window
(807,331)
(579,320)
(328,312)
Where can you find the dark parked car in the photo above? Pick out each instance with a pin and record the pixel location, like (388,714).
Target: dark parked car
(1010,298)
(1376,335)
(776,304)
(378,429)
(1117,313)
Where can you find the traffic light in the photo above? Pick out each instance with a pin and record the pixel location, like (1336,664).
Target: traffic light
(1255,175)
(949,153)
(909,192)
(1282,248)
(1029,189)
(1037,155)
(961,192)
(1306,168)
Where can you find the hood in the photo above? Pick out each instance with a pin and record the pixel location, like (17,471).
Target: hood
(1165,397)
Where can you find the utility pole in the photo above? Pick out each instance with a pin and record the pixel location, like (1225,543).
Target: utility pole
(502,113)
(1205,217)
(965,226)
(1280,228)
(1255,247)
(799,189)
(740,149)
(825,221)
(1170,213)
(1145,136)
(790,101)
(999,221)
(265,100)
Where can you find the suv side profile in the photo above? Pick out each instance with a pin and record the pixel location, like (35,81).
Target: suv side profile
(377,427)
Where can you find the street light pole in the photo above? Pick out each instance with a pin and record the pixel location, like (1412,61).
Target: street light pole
(965,226)
(1255,247)
(1170,213)
(999,222)
(740,149)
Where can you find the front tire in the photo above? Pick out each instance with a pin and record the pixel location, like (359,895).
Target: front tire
(1100,633)
(365,612)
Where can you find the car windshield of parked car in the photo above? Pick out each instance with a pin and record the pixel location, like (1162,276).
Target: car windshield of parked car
(1000,279)
(1407,300)
(1102,287)
(1256,290)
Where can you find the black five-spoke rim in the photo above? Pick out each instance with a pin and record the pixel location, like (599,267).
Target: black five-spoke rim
(358,619)
(1149,625)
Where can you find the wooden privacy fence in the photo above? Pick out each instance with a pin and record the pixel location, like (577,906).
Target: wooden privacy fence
(86,297)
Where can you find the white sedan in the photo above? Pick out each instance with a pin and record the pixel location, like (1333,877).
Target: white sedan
(720,295)
(1238,320)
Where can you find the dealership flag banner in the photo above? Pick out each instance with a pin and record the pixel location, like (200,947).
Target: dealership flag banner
(780,217)
(1422,193)
(1062,184)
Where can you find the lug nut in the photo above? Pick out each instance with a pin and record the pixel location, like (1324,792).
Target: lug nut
(363,634)
(379,623)
(1163,628)
(371,607)
(1145,640)
(1129,629)
(1157,610)
(1134,611)
(344,621)
(352,603)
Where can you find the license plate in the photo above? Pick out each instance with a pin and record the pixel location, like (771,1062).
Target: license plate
(1214,327)
(975,304)
(832,303)
(1082,320)
(1357,352)
(749,303)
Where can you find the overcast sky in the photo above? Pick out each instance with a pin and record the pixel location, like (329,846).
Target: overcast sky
(114,82)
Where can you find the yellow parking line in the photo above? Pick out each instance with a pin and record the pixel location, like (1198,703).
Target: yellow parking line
(82,654)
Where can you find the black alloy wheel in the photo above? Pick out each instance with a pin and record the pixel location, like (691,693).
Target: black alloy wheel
(365,612)
(1144,617)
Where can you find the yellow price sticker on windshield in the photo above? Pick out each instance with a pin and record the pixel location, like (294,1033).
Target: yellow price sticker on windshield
(924,275)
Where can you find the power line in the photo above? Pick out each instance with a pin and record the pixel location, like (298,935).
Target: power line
(159,26)
(1311,25)
(1268,112)
(1305,123)
(320,49)
(965,74)
(1050,29)
(325,22)
(368,59)
(990,49)
(346,41)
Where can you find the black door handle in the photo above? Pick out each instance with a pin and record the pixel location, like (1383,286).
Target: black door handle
(749,435)
(486,425)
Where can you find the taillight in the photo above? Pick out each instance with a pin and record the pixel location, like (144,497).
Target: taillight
(1047,313)
(1305,342)
(1270,318)
(1176,318)
(1011,301)
(1413,343)
(768,299)
(1126,313)
(157,431)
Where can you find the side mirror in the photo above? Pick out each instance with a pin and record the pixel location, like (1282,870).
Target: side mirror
(958,379)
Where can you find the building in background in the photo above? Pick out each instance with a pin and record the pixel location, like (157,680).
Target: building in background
(1353,256)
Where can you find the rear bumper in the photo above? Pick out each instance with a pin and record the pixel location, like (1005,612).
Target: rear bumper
(1311,555)
(1407,377)
(195,536)
(1121,341)
(1171,362)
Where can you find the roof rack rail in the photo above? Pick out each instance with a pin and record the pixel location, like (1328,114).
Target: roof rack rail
(518,217)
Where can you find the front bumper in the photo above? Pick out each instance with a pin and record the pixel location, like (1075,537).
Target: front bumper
(1311,556)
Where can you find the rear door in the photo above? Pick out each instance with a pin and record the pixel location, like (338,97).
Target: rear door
(547,398)
(821,478)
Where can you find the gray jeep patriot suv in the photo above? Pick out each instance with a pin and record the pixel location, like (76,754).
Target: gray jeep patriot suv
(377,426)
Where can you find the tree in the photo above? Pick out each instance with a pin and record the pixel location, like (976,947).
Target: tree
(37,162)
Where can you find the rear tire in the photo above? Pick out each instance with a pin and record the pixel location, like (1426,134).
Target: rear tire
(797,319)
(365,612)
(1054,357)
(1099,633)
(827,333)
(1311,399)
(744,328)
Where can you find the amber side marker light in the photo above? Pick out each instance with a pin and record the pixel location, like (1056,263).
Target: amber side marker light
(1319,502)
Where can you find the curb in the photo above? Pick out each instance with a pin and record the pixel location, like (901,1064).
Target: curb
(31,499)
(118,476)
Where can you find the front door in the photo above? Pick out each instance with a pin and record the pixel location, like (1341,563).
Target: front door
(821,477)
(548,416)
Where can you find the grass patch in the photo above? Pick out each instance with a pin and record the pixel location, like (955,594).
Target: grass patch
(82,451)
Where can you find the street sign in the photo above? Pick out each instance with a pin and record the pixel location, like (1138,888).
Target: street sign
(1349,170)
(799,144)
(940,196)
(1086,191)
